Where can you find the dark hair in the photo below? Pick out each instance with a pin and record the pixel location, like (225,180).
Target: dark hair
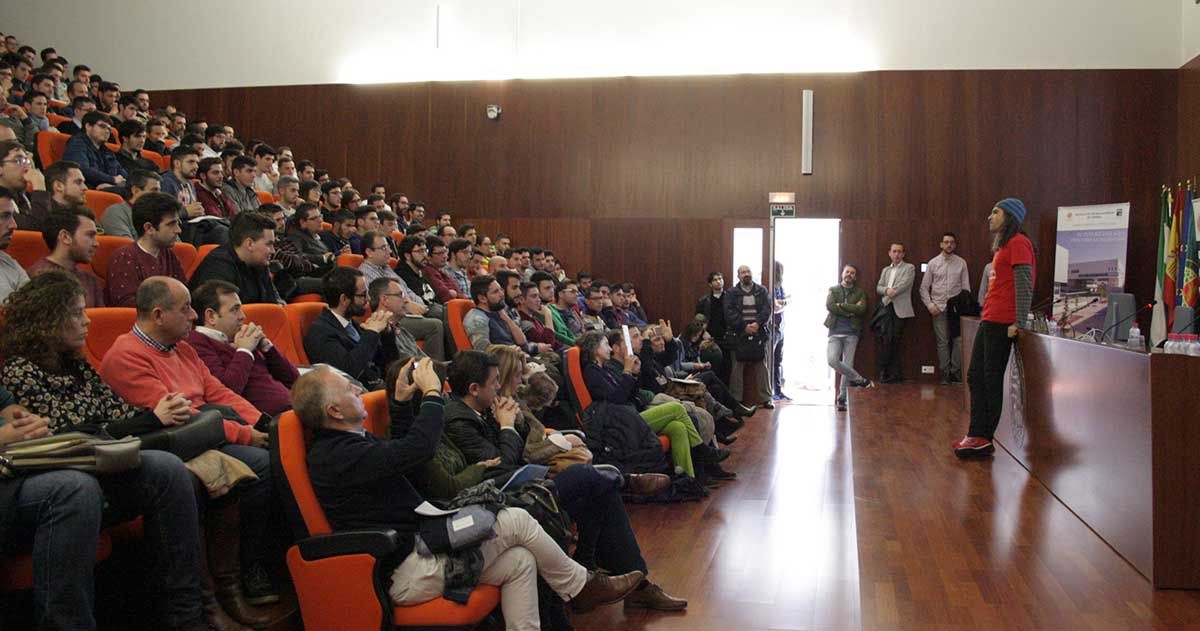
(374,197)
(46,52)
(525,286)
(505,275)
(502,235)
(320,173)
(468,367)
(265,150)
(539,277)
(1010,229)
(361,213)
(31,95)
(242,162)
(561,287)
(414,229)
(465,227)
(582,275)
(329,186)
(480,285)
(306,187)
(377,287)
(458,245)
(593,289)
(56,172)
(410,243)
(600,283)
(386,215)
(303,209)
(949,234)
(213,130)
(108,86)
(341,216)
(628,288)
(845,265)
(588,342)
(189,140)
(80,101)
(127,99)
(339,281)
(208,296)
(182,151)
(94,118)
(899,243)
(207,163)
(711,275)
(152,208)
(127,129)
(304,164)
(248,226)
(79,68)
(369,237)
(154,122)
(61,219)
(34,317)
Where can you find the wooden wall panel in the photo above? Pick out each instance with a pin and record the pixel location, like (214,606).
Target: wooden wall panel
(650,174)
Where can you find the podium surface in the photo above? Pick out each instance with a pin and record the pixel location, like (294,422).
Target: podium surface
(1113,434)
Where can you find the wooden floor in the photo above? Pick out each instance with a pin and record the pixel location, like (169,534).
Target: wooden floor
(864,520)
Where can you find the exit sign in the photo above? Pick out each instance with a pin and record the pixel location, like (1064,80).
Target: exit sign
(783,210)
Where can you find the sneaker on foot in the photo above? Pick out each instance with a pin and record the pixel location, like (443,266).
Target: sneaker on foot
(970,446)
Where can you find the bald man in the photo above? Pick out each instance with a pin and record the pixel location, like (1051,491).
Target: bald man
(496,264)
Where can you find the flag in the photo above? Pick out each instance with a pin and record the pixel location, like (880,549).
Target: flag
(1191,258)
(1158,323)
(1171,288)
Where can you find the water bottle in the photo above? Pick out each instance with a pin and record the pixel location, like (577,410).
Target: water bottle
(1051,327)
(1135,341)
(1194,345)
(1172,345)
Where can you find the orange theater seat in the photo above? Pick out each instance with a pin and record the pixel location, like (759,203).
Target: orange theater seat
(583,398)
(112,146)
(336,573)
(308,298)
(300,315)
(379,417)
(158,159)
(349,260)
(108,323)
(326,226)
(105,246)
(56,119)
(274,322)
(99,201)
(265,197)
(202,252)
(456,310)
(186,253)
(51,146)
(56,104)
(27,247)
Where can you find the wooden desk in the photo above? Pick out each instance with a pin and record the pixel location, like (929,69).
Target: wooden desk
(1081,420)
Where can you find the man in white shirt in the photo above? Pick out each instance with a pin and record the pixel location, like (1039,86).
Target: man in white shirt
(945,277)
(264,167)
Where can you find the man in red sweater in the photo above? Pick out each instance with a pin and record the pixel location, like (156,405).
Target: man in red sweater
(154,359)
(238,353)
(156,221)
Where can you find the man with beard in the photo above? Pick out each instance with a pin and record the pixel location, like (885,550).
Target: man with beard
(12,275)
(185,161)
(414,253)
(334,338)
(489,322)
(747,308)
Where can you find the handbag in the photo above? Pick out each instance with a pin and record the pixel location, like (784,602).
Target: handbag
(72,450)
(750,348)
(204,431)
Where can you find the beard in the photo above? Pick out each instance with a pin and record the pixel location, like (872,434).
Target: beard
(355,310)
(496,306)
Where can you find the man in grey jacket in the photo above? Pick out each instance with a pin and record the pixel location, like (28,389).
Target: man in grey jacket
(895,291)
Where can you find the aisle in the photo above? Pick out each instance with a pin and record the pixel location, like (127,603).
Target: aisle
(841,522)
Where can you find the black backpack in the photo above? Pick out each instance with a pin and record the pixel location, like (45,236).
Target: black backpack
(537,498)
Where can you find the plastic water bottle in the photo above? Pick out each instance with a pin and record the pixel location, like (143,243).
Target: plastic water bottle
(1193,345)
(1172,345)
(1051,327)
(1136,342)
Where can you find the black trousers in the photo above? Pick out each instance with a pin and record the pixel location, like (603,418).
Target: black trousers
(985,377)
(889,346)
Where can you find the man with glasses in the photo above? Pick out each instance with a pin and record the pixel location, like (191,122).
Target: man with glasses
(100,167)
(305,235)
(334,338)
(410,316)
(16,173)
(414,253)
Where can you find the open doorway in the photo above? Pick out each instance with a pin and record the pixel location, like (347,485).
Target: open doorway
(807,250)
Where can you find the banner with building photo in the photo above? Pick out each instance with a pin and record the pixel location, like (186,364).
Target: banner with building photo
(1089,261)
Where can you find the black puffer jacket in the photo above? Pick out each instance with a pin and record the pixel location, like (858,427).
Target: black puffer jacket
(617,435)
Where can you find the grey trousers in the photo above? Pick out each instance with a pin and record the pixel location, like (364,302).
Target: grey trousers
(762,374)
(948,350)
(840,355)
(430,331)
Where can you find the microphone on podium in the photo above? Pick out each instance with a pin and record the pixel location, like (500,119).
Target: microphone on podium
(1105,332)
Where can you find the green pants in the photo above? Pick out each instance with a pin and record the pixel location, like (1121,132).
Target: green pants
(671,420)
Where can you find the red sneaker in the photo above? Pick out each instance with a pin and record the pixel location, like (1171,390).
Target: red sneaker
(971,446)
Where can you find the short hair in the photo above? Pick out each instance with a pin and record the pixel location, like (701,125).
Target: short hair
(341,216)
(593,289)
(285,181)
(153,293)
(46,52)
(207,163)
(31,95)
(628,287)
(369,237)
(310,396)
(479,286)
(191,139)
(850,265)
(307,186)
(139,91)
(414,229)
(56,172)
(127,99)
(80,101)
(249,226)
(182,151)
(94,118)
(109,86)
(154,122)
(130,128)
(284,159)
(241,162)
(304,208)
(505,275)
(79,68)
(376,289)
(320,173)
(520,250)
(386,215)
(503,235)
(711,275)
(458,245)
(339,281)
(374,197)
(265,150)
(465,227)
(948,234)
(208,296)
(468,367)
(362,212)
(615,337)
(561,287)
(526,285)
(600,283)
(152,208)
(213,130)
(9,146)
(539,277)
(329,186)
(433,243)
(269,209)
(410,243)
(304,164)
(61,219)
(535,251)
(899,243)
(348,195)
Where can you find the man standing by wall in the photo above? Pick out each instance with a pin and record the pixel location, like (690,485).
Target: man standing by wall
(945,277)
(895,306)
(747,310)
(846,304)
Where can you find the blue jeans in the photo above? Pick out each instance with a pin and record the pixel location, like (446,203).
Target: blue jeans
(60,512)
(254,502)
(593,500)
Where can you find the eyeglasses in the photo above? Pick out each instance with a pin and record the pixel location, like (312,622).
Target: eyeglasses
(362,295)
(19,160)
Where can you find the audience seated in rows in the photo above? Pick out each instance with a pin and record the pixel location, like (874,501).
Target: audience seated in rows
(337,237)
(334,338)
(99,164)
(210,191)
(117,220)
(433,271)
(244,260)
(240,185)
(156,217)
(70,235)
(12,275)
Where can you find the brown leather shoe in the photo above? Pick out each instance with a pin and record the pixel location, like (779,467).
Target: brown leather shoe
(646,483)
(653,597)
(601,589)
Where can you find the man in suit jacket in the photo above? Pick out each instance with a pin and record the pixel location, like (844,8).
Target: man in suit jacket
(895,291)
(334,338)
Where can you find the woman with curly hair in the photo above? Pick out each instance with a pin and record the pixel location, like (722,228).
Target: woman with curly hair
(41,343)
(60,513)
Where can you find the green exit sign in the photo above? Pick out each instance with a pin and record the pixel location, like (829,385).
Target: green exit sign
(783,210)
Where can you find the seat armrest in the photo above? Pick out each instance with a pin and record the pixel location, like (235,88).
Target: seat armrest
(377,543)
